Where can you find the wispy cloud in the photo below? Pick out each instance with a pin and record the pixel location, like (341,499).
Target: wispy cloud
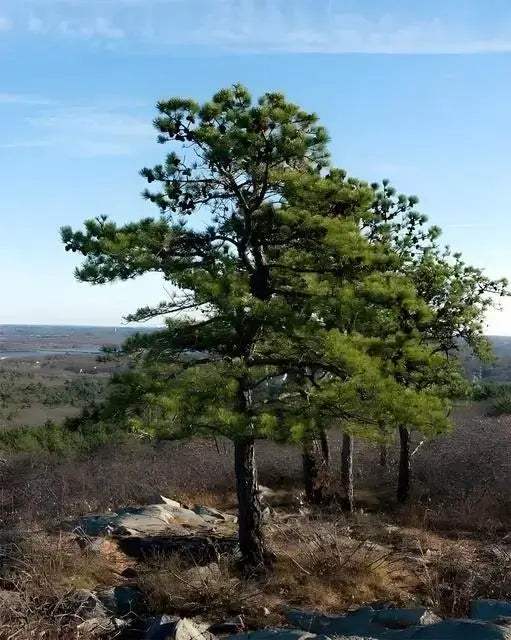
(100,28)
(322,26)
(84,132)
(19,99)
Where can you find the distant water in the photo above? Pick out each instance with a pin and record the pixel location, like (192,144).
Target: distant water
(41,353)
(40,341)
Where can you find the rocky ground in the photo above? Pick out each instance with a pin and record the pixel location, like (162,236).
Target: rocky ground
(80,536)
(168,570)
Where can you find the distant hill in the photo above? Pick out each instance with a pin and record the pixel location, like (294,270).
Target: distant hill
(498,371)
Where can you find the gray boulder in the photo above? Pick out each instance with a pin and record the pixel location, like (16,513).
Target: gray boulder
(151,520)
(368,623)
(228,627)
(490,610)
(355,623)
(462,630)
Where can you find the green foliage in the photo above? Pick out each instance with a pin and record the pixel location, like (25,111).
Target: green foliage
(502,405)
(456,296)
(20,389)
(274,283)
(483,390)
(300,295)
(60,439)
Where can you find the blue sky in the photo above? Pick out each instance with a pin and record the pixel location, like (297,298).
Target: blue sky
(417,92)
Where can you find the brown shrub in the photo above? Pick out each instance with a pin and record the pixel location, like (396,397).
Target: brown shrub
(459,573)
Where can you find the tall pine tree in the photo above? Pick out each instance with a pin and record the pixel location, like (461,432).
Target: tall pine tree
(456,294)
(272,282)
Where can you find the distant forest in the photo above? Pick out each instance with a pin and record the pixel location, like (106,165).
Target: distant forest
(497,371)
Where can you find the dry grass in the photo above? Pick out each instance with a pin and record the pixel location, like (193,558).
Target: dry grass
(446,547)
(175,584)
(459,573)
(37,575)
(318,566)
(321,566)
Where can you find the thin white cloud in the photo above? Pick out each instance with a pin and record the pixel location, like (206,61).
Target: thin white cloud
(100,28)
(24,144)
(84,132)
(19,99)
(292,26)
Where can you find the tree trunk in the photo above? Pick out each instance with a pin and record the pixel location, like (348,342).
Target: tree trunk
(325,446)
(316,477)
(347,473)
(403,483)
(250,518)
(383,456)
(310,471)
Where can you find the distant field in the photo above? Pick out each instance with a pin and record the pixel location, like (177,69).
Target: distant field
(51,372)
(33,391)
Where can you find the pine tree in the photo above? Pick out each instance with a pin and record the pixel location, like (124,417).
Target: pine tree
(457,296)
(218,216)
(268,330)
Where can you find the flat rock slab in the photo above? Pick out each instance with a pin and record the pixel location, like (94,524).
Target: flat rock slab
(462,630)
(167,516)
(363,623)
(214,516)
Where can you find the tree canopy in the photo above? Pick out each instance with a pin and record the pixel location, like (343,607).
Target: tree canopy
(296,294)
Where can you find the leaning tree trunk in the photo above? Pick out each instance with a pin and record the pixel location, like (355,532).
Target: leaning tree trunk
(315,470)
(403,483)
(250,519)
(347,473)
